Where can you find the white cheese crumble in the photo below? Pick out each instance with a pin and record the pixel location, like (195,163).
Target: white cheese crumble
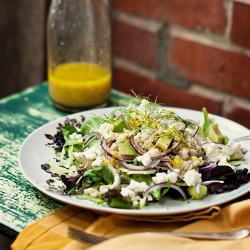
(223,162)
(132,190)
(146,158)
(93,192)
(163,177)
(234,149)
(221,155)
(106,130)
(192,178)
(213,154)
(98,162)
(72,171)
(91,153)
(75,136)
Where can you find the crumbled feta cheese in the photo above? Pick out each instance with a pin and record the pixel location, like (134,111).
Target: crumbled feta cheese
(192,178)
(93,192)
(223,162)
(79,156)
(213,154)
(159,177)
(106,130)
(93,152)
(144,106)
(163,177)
(133,188)
(172,177)
(98,161)
(177,171)
(110,136)
(144,159)
(234,149)
(138,186)
(75,136)
(154,152)
(126,192)
(72,171)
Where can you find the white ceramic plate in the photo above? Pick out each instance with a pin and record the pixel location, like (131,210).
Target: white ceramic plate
(35,144)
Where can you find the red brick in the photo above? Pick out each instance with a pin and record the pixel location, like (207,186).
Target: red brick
(240,115)
(240,31)
(193,14)
(168,95)
(135,44)
(213,67)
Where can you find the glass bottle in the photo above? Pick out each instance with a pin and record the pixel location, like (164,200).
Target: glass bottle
(79,54)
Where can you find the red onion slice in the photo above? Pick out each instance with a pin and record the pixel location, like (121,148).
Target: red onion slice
(189,121)
(243,138)
(88,138)
(175,144)
(209,167)
(134,144)
(207,183)
(85,161)
(95,134)
(164,158)
(163,185)
(105,147)
(152,165)
(168,165)
(149,171)
(207,144)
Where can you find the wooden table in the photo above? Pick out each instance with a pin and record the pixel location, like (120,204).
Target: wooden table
(20,114)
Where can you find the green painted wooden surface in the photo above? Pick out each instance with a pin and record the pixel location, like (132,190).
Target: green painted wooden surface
(20,114)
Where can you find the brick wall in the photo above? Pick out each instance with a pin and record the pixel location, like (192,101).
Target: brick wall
(189,54)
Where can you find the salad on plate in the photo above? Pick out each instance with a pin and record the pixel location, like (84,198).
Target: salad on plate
(140,153)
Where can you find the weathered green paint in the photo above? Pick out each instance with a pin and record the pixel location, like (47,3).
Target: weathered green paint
(20,114)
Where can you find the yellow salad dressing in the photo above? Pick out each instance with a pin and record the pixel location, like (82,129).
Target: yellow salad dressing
(79,85)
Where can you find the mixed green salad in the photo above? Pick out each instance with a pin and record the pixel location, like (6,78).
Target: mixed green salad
(140,153)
